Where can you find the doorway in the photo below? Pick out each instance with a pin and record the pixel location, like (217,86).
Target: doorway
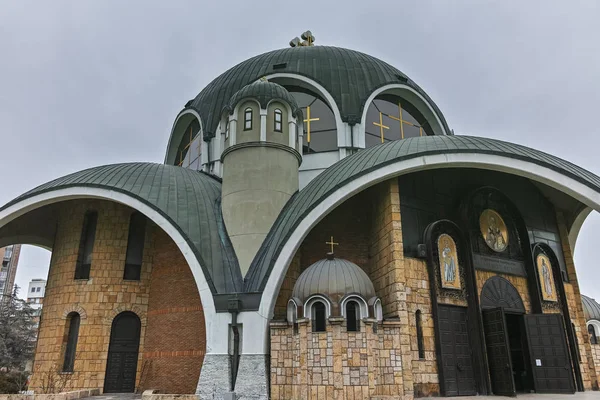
(519,353)
(121,366)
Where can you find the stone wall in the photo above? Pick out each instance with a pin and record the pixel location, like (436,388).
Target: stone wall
(175,335)
(97,300)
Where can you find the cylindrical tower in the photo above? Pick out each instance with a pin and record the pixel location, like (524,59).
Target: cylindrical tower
(260,164)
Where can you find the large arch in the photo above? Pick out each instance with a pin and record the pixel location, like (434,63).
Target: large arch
(468,158)
(30,204)
(177,132)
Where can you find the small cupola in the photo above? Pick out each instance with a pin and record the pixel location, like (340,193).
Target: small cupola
(334,288)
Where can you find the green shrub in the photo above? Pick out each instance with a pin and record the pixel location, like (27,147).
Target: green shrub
(13,382)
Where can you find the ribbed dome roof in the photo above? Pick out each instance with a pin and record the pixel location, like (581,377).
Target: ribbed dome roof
(335,278)
(264,92)
(591,308)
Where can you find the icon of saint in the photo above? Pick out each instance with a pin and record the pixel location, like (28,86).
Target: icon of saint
(546,278)
(449,264)
(494,237)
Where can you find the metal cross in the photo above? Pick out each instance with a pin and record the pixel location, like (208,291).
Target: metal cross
(404,122)
(308,120)
(332,243)
(381,125)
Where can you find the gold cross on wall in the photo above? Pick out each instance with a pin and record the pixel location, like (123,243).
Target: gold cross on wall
(308,120)
(381,125)
(404,122)
(332,243)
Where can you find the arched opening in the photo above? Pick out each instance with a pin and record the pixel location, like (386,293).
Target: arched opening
(352,316)
(86,245)
(248,119)
(592,333)
(319,316)
(278,121)
(70,341)
(190,147)
(135,246)
(121,365)
(390,117)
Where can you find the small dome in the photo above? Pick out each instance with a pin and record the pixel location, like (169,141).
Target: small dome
(335,278)
(264,91)
(591,308)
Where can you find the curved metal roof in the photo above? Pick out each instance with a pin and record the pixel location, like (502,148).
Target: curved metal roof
(264,92)
(377,157)
(348,75)
(189,200)
(591,308)
(335,278)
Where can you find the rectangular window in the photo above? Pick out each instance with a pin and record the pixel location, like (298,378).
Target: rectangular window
(32,290)
(278,121)
(86,245)
(135,247)
(248,119)
(38,289)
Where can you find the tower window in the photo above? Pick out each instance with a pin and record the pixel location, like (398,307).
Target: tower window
(135,246)
(352,316)
(318,317)
(86,245)
(420,346)
(248,119)
(71,345)
(278,120)
(592,332)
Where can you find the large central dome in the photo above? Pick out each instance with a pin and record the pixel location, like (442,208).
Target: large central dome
(349,76)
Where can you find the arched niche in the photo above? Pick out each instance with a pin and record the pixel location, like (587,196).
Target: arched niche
(185,144)
(499,292)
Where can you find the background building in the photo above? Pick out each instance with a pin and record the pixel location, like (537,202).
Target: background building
(35,295)
(10,260)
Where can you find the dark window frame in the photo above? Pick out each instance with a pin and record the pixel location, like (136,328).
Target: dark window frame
(592,333)
(248,111)
(420,344)
(86,246)
(319,317)
(352,316)
(135,247)
(278,113)
(72,336)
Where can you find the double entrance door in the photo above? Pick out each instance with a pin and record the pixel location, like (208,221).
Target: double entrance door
(527,352)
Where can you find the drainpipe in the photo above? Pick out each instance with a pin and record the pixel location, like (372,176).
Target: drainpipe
(233,306)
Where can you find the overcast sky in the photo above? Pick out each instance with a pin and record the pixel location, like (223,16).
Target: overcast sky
(85,83)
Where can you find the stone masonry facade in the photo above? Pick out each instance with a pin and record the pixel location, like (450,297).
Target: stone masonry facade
(169,359)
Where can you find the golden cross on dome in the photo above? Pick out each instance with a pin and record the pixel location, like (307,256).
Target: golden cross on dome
(399,119)
(308,120)
(332,243)
(381,125)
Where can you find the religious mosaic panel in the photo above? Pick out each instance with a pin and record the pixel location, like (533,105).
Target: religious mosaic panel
(448,258)
(548,289)
(493,229)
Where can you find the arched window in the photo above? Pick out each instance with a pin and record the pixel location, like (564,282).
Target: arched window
(278,120)
(135,246)
(86,245)
(190,148)
(390,118)
(420,345)
(318,317)
(72,334)
(352,316)
(592,332)
(248,119)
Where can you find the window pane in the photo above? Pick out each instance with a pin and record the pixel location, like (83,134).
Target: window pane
(190,135)
(352,317)
(135,246)
(71,346)
(86,245)
(318,323)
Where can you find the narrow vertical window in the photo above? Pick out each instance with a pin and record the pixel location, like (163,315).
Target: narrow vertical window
(86,245)
(248,119)
(278,120)
(135,246)
(352,316)
(592,332)
(318,317)
(73,320)
(420,335)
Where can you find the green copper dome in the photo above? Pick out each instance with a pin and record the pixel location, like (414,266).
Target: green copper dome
(349,76)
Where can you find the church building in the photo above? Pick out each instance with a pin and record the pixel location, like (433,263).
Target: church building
(316,231)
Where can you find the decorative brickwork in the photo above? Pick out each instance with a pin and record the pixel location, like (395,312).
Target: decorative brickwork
(175,336)
(94,299)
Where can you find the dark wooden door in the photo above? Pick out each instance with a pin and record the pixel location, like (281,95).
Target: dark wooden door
(498,352)
(121,365)
(549,354)
(457,374)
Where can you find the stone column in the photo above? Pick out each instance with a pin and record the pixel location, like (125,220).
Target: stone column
(215,377)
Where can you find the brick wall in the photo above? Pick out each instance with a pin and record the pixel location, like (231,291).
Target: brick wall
(175,335)
(97,300)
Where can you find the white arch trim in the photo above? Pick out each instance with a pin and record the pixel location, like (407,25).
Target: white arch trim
(316,298)
(393,86)
(362,303)
(526,169)
(596,325)
(26,205)
(339,124)
(179,116)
